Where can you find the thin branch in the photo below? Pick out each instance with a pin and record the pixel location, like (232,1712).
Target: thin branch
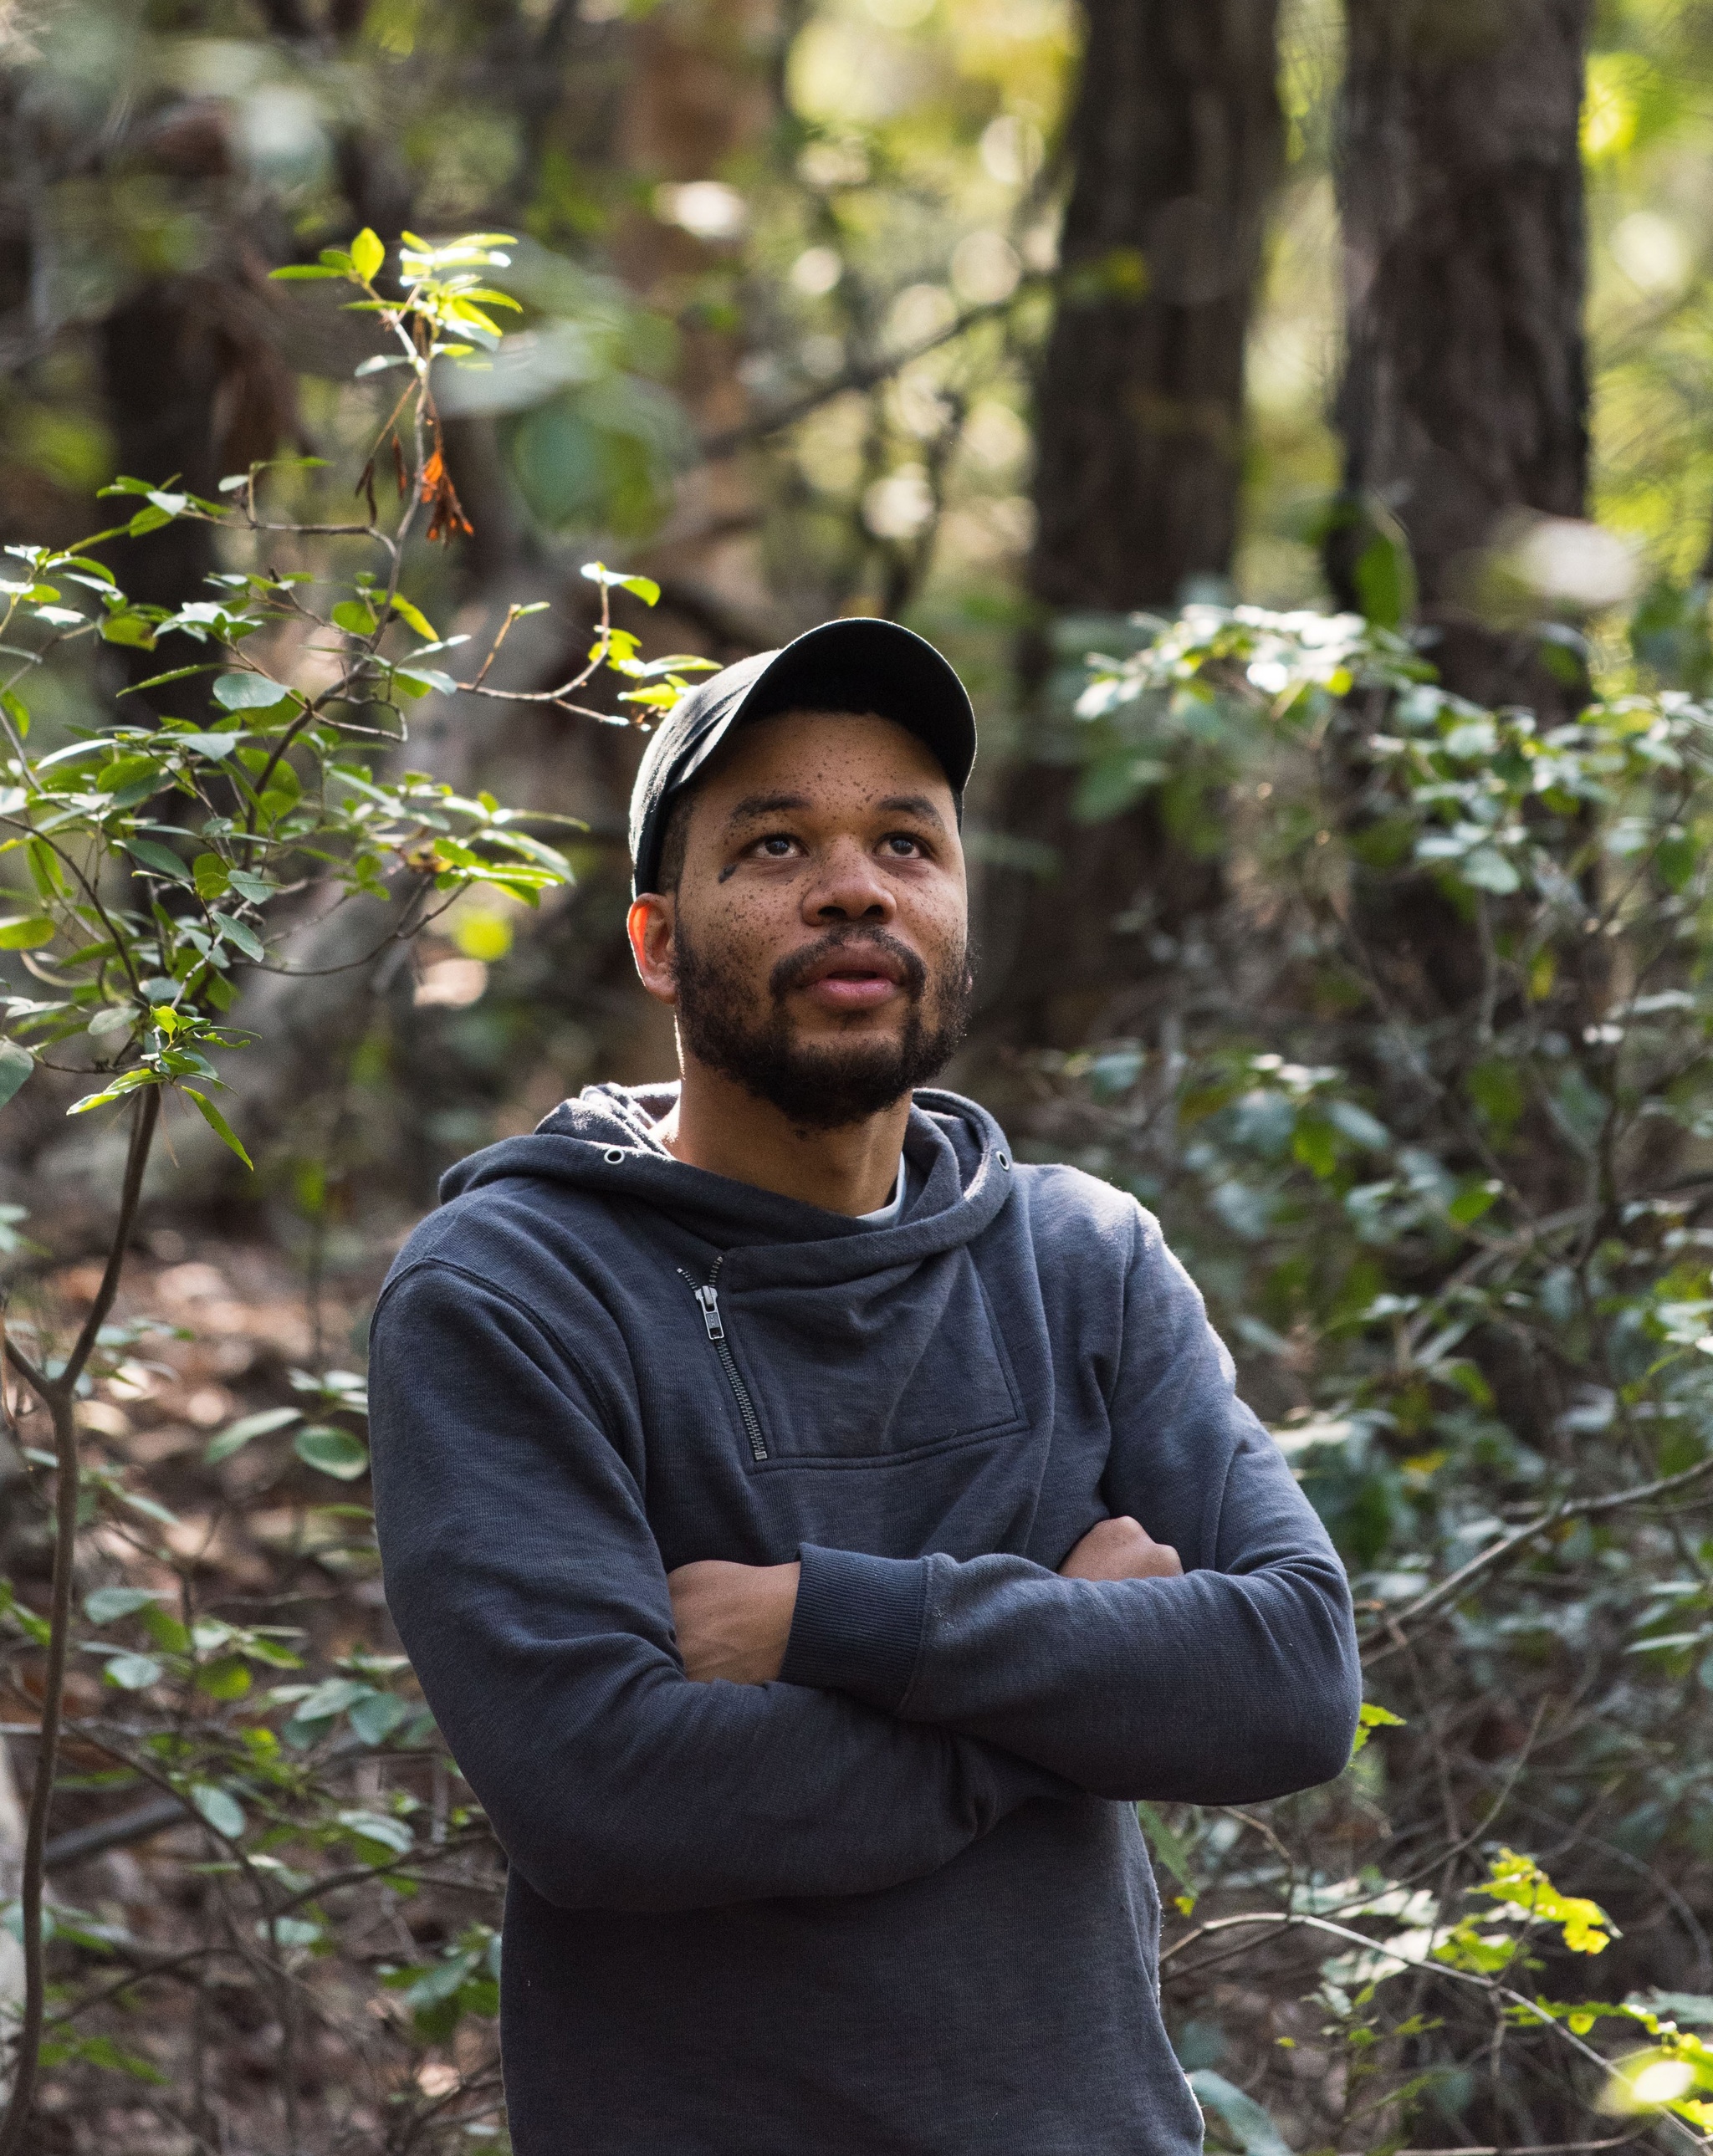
(1273,1919)
(869,376)
(136,1161)
(59,1394)
(1579,1508)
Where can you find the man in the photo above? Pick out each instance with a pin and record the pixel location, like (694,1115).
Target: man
(783,1493)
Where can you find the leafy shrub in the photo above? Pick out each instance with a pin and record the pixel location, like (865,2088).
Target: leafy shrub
(152,864)
(1426,1103)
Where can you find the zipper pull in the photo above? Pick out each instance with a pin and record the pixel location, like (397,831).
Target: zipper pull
(709,1303)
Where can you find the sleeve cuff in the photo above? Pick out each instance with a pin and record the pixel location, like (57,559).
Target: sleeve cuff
(858,1624)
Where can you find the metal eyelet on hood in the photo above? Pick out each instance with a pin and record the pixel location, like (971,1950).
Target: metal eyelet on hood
(1004,1160)
(612,1155)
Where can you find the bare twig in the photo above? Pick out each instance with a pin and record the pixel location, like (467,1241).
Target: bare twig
(59,1394)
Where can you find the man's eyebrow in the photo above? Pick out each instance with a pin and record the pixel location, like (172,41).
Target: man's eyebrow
(912,804)
(765,804)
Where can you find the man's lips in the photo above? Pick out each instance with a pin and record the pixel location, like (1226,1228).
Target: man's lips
(854,980)
(851,992)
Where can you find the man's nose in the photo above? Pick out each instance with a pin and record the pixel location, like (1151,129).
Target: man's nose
(849,888)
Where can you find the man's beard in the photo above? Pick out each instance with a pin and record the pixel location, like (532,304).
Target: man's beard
(824,1087)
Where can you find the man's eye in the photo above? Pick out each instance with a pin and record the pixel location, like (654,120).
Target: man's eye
(901,845)
(775,846)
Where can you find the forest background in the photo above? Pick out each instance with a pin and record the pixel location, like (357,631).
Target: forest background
(1295,421)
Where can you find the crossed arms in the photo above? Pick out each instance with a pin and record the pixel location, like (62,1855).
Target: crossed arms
(925,1700)
(734,1621)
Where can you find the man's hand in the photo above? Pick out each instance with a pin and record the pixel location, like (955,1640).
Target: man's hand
(732,1620)
(1121,1549)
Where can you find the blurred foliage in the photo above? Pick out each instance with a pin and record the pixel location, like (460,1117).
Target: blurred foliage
(1426,1108)
(152,867)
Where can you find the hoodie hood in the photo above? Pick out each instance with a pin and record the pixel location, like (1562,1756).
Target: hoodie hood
(604,1142)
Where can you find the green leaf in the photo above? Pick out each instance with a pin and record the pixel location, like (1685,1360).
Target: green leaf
(1369,1718)
(367,254)
(103,2052)
(16,1064)
(1677,858)
(1167,1846)
(375,1719)
(1384,579)
(301,271)
(132,1673)
(159,681)
(237,1434)
(17,711)
(96,1099)
(160,860)
(1247,2122)
(134,630)
(414,618)
(290,1931)
(219,1125)
(1496,1087)
(28,934)
(1488,870)
(130,779)
(107,1604)
(235,931)
(210,874)
(332,1697)
(228,1678)
(1112,782)
(219,1808)
(165,1629)
(333,1451)
(642,587)
(393,1834)
(215,746)
(1312,1145)
(429,677)
(1472,1201)
(1358,1126)
(357,617)
(248,692)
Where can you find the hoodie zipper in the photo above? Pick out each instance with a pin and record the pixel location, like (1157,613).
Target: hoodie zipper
(707,1301)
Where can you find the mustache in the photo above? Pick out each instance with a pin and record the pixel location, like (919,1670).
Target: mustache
(792,972)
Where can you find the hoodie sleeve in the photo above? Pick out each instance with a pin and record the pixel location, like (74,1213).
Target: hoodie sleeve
(531,1599)
(1237,1682)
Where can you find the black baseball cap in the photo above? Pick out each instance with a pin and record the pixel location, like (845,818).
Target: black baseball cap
(853,665)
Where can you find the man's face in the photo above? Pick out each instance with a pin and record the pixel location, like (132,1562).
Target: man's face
(817,944)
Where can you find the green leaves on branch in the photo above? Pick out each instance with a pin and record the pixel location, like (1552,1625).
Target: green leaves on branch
(212,823)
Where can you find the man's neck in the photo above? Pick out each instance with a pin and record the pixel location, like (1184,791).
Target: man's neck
(716,1125)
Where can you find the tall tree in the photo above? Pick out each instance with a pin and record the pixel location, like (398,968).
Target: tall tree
(1463,408)
(1173,142)
(1465,400)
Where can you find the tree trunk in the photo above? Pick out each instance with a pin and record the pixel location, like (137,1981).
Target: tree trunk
(1463,408)
(1175,144)
(1465,403)
(1174,141)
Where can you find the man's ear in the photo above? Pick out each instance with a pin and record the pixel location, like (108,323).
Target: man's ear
(650,924)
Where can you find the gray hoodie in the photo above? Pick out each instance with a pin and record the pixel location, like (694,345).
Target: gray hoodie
(896,1903)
